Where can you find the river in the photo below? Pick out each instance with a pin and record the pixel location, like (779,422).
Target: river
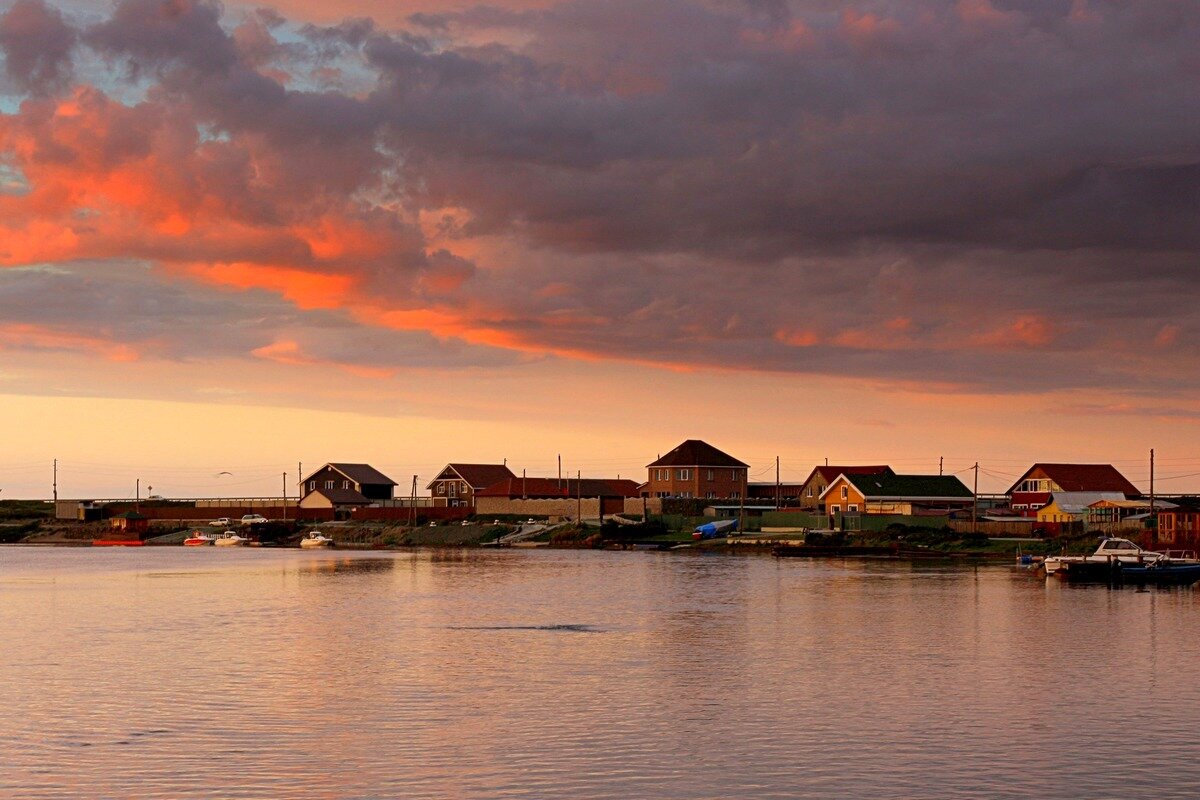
(259,673)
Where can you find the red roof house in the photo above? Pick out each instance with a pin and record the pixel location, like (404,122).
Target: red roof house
(1034,488)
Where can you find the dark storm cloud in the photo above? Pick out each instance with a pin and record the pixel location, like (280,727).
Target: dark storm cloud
(37,44)
(985,194)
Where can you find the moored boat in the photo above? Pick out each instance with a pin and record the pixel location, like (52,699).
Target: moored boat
(1122,561)
(314,539)
(230,539)
(198,539)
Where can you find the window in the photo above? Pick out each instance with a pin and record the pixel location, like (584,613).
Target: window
(810,491)
(852,507)
(454,490)
(711,496)
(328,484)
(710,475)
(441,488)
(312,485)
(685,474)
(345,484)
(736,495)
(845,492)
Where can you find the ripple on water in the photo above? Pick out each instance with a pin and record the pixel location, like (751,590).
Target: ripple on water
(275,674)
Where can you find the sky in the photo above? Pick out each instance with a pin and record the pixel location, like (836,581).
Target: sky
(235,238)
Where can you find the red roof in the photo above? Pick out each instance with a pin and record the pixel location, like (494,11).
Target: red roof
(696,453)
(831,473)
(477,476)
(1083,478)
(568,487)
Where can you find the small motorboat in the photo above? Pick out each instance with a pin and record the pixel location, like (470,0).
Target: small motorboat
(1122,561)
(198,539)
(314,539)
(230,539)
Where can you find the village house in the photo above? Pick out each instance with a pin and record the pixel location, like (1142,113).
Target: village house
(1178,525)
(341,485)
(555,498)
(1111,516)
(696,469)
(888,493)
(819,479)
(1034,488)
(457,484)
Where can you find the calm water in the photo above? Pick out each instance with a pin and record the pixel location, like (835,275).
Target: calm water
(170,673)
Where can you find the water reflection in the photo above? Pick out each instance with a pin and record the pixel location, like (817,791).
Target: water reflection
(474,674)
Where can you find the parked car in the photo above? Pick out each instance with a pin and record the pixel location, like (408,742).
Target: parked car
(253,519)
(223,522)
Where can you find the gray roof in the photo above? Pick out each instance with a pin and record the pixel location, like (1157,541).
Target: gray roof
(1078,502)
(363,473)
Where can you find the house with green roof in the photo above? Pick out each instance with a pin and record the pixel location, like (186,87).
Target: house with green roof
(886,493)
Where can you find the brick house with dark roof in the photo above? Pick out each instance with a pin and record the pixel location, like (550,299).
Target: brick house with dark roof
(345,485)
(696,469)
(823,475)
(457,484)
(1034,488)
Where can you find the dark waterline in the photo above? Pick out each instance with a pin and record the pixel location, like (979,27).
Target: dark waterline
(169,673)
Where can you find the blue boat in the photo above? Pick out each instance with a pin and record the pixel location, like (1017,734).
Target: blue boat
(718,529)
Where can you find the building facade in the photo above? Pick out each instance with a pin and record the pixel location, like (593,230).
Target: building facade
(696,469)
(1034,489)
(896,494)
(457,484)
(820,478)
(341,484)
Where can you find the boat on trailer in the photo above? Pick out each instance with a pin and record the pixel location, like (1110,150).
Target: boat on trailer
(1122,561)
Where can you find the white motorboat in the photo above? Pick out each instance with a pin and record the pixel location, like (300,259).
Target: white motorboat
(1122,560)
(314,539)
(231,539)
(198,539)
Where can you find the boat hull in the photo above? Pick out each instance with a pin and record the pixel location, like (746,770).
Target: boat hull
(1132,573)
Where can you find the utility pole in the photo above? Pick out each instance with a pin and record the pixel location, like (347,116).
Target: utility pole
(412,506)
(56,480)
(778,489)
(560,472)
(579,496)
(975,502)
(285,497)
(940,460)
(137,495)
(1153,519)
(524,496)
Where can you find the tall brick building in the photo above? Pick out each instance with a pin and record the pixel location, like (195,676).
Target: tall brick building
(696,469)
